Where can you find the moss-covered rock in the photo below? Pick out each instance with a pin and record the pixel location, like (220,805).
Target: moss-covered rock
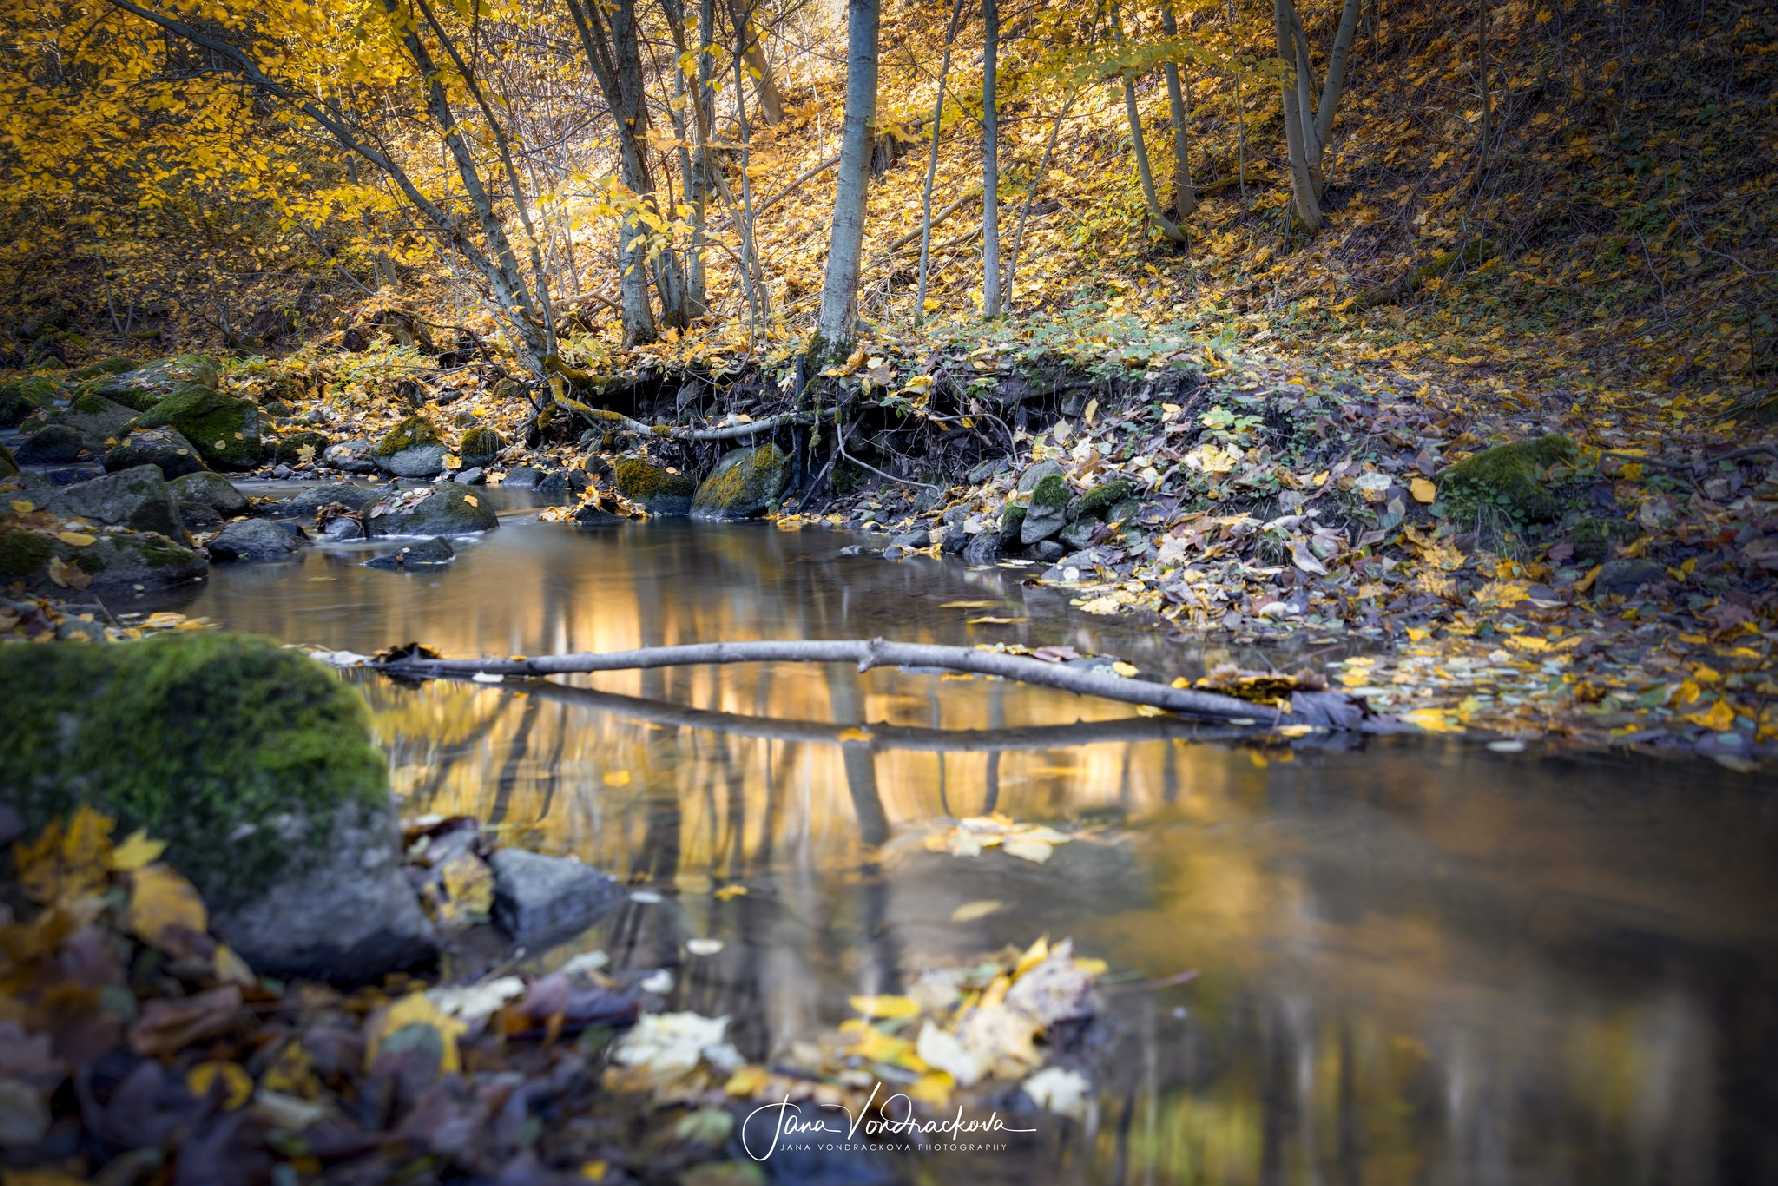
(300,446)
(1097,502)
(115,365)
(255,765)
(53,444)
(411,432)
(9,466)
(744,484)
(479,446)
(227,430)
(143,387)
(1012,518)
(1047,510)
(1513,480)
(655,488)
(22,396)
(117,561)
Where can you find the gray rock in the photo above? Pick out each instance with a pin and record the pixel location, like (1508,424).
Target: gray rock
(257,539)
(163,448)
(435,510)
(1623,577)
(522,477)
(554,485)
(137,498)
(1041,522)
(475,475)
(1037,473)
(1049,549)
(282,471)
(985,470)
(425,553)
(129,559)
(53,444)
(953,541)
(418,461)
(1078,534)
(983,549)
(350,917)
(208,489)
(539,900)
(912,540)
(592,518)
(347,494)
(352,456)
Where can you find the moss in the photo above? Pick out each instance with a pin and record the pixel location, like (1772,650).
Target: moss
(641,479)
(1511,478)
(9,466)
(23,396)
(22,554)
(479,444)
(410,433)
(289,446)
(203,740)
(1051,493)
(1098,501)
(224,429)
(1012,518)
(116,365)
(744,483)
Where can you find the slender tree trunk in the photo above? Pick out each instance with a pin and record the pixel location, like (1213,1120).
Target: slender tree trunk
(1304,196)
(839,293)
(990,163)
(938,119)
(1139,148)
(1043,166)
(1185,194)
(771,101)
(759,298)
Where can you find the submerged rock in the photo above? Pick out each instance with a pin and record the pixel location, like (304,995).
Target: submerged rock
(655,488)
(136,498)
(426,553)
(540,900)
(253,763)
(436,510)
(745,483)
(164,448)
(225,429)
(257,539)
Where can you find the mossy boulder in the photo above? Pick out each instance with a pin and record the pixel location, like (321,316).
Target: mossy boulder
(98,420)
(137,498)
(1513,480)
(412,449)
(446,509)
(227,430)
(22,396)
(745,483)
(116,562)
(1046,513)
(143,387)
(479,446)
(115,365)
(1097,502)
(415,430)
(254,763)
(205,499)
(164,448)
(655,488)
(301,446)
(9,466)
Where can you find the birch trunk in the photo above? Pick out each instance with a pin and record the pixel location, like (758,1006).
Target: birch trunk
(839,293)
(990,164)
(1185,194)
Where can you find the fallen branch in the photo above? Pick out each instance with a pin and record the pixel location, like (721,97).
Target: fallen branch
(726,432)
(1327,710)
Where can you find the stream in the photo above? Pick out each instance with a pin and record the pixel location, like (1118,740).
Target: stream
(1417,960)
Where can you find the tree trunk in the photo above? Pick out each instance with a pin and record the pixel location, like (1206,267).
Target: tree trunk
(1303,192)
(771,101)
(1139,147)
(938,119)
(1185,194)
(990,164)
(839,293)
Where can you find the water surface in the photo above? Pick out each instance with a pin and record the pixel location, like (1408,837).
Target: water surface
(1417,961)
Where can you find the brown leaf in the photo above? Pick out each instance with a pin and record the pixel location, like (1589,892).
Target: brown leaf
(167,1026)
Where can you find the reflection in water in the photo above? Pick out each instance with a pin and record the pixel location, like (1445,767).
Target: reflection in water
(1418,962)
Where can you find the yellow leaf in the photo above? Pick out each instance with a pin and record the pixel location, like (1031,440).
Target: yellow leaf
(1718,718)
(1125,669)
(970,911)
(237,1084)
(728,893)
(471,500)
(416,1009)
(617,778)
(77,539)
(136,852)
(746,1081)
(23,506)
(1529,643)
(1432,720)
(848,735)
(161,900)
(1422,490)
(889,1007)
(1034,955)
